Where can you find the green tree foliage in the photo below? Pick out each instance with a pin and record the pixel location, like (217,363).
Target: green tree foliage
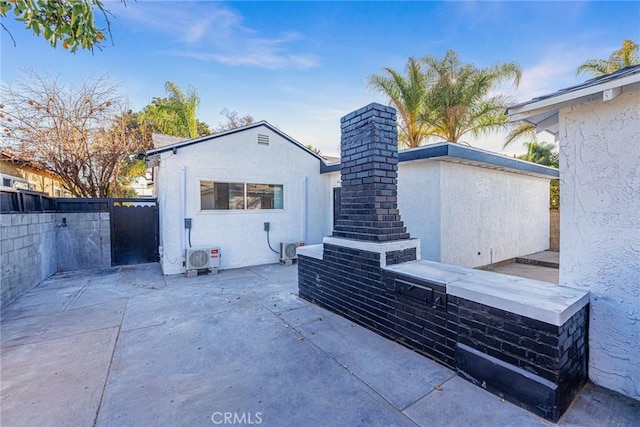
(131,169)
(314,149)
(554,195)
(458,100)
(444,99)
(203,129)
(521,131)
(407,95)
(542,154)
(545,154)
(626,56)
(82,134)
(184,106)
(71,23)
(175,114)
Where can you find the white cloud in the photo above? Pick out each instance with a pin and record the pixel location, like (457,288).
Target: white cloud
(211,32)
(555,71)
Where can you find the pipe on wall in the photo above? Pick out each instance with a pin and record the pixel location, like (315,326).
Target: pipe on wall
(305,180)
(183,210)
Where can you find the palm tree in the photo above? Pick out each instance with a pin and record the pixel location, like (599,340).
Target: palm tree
(542,154)
(626,56)
(458,100)
(184,106)
(521,130)
(176,114)
(407,95)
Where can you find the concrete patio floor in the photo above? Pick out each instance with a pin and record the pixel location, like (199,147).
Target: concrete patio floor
(542,266)
(129,347)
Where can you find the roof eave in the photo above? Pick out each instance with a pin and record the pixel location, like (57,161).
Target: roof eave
(522,112)
(266,124)
(452,152)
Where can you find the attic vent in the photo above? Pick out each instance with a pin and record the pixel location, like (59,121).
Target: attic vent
(263,139)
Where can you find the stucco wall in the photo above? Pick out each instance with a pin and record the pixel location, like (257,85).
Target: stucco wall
(239,234)
(600,223)
(485,210)
(458,211)
(420,204)
(41,181)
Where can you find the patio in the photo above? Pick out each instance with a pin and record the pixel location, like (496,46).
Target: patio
(128,346)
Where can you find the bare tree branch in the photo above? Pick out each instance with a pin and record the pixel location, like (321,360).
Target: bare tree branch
(81,134)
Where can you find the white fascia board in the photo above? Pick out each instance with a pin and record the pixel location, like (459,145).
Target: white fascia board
(551,103)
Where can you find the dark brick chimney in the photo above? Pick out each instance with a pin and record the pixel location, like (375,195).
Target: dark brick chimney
(369,169)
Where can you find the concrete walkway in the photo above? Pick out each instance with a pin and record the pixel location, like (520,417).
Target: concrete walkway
(538,266)
(129,347)
(549,259)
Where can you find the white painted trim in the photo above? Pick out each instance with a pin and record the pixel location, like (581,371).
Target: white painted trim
(377,247)
(542,301)
(435,272)
(183,210)
(536,107)
(305,197)
(311,251)
(610,94)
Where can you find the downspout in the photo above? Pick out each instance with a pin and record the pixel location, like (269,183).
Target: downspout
(183,210)
(304,209)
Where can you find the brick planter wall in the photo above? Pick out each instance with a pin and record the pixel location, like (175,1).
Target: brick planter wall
(543,366)
(546,365)
(539,366)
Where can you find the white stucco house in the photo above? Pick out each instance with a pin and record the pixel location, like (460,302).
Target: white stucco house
(598,126)
(469,207)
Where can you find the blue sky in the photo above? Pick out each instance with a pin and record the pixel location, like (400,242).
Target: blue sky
(303,65)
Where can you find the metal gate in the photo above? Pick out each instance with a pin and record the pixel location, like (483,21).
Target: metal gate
(337,203)
(134,232)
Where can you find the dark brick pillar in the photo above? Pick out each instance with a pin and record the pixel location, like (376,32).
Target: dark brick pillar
(369,157)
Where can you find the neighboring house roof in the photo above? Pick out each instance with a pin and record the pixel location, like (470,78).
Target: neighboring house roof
(543,111)
(458,153)
(178,145)
(11,156)
(162,140)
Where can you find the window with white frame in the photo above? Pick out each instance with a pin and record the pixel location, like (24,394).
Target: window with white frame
(240,196)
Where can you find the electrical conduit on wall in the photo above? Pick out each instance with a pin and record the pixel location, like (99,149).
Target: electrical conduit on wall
(305,180)
(183,210)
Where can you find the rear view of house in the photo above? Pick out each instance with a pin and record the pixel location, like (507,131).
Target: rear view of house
(244,192)
(220,191)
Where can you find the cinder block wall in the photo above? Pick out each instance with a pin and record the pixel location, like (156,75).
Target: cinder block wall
(29,255)
(85,242)
(36,245)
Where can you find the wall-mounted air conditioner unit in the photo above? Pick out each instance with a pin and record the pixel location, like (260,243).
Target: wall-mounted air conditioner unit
(200,259)
(289,252)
